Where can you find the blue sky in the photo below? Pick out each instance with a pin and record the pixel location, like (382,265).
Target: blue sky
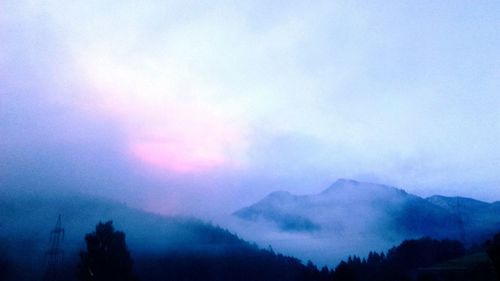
(223,98)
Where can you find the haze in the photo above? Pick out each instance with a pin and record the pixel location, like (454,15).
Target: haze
(183,107)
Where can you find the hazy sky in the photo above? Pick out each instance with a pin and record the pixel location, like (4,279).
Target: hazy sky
(202,105)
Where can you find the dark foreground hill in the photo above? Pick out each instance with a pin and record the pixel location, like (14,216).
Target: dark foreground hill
(163,248)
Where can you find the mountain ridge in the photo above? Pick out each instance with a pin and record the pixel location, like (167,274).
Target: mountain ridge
(392,209)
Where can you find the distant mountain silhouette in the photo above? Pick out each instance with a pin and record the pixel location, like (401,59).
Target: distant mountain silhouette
(479,219)
(277,207)
(355,209)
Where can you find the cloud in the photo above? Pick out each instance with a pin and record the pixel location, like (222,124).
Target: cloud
(260,94)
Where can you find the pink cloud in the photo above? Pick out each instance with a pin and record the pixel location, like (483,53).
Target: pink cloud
(177,157)
(172,122)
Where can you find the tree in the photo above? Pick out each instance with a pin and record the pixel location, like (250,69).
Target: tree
(107,257)
(4,268)
(5,265)
(345,272)
(493,250)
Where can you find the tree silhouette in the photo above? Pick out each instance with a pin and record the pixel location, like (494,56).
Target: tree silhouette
(493,250)
(4,268)
(4,263)
(345,272)
(107,257)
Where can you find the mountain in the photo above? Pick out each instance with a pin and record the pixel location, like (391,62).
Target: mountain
(478,220)
(359,215)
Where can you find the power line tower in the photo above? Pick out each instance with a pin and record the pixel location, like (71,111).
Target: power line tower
(55,254)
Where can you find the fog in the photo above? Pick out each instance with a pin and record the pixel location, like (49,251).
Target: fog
(187,109)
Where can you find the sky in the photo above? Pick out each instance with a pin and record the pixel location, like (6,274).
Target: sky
(203,107)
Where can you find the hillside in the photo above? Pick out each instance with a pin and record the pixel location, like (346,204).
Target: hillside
(162,247)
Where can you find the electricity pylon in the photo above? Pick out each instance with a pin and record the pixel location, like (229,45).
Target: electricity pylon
(55,254)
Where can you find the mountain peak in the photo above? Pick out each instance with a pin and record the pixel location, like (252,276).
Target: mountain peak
(346,181)
(279,196)
(358,187)
(340,183)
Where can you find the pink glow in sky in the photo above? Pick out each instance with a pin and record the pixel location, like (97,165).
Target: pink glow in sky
(288,90)
(170,121)
(176,157)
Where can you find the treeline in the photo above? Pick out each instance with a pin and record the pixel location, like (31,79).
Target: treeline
(405,262)
(221,256)
(237,259)
(5,266)
(218,255)
(424,260)
(245,264)
(401,262)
